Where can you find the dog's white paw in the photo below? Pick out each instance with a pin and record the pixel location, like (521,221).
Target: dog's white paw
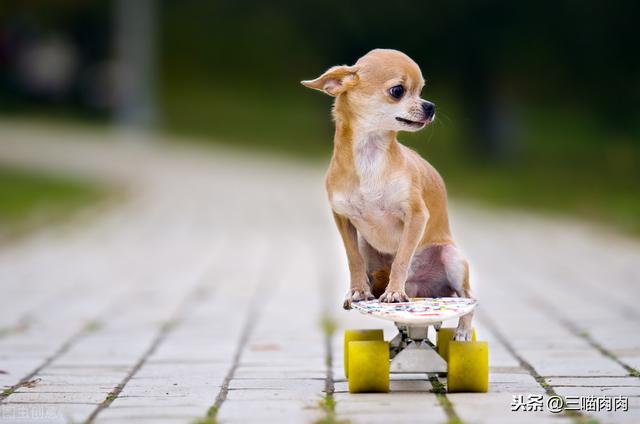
(463,334)
(356,295)
(391,296)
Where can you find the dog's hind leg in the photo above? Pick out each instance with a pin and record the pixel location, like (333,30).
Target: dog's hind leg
(457,270)
(378,266)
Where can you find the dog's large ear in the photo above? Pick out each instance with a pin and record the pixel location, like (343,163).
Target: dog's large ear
(335,81)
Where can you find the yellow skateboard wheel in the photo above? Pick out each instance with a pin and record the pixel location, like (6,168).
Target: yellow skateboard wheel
(358,335)
(444,336)
(368,366)
(468,367)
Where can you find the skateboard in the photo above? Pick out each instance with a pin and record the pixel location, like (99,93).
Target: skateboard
(368,359)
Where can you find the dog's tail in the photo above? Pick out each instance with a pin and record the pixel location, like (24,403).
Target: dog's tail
(379,281)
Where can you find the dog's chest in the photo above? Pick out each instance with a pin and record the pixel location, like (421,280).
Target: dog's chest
(371,201)
(378,193)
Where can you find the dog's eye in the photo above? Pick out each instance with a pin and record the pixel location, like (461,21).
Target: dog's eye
(397,92)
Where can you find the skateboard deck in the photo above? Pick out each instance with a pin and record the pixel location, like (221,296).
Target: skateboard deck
(423,311)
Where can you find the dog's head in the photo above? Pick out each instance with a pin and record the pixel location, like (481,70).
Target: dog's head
(381,92)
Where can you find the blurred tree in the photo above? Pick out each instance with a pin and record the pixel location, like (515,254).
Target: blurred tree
(497,58)
(135,45)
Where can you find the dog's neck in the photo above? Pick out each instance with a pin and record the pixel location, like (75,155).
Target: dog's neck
(358,143)
(366,149)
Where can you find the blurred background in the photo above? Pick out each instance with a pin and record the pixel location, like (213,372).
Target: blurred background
(538,102)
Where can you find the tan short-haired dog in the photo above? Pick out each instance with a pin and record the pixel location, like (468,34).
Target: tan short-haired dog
(390,205)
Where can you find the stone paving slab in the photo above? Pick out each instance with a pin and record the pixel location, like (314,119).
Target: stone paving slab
(210,286)
(495,407)
(402,406)
(594,382)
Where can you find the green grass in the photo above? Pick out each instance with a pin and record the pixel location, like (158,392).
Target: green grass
(31,199)
(93,326)
(210,418)
(328,405)
(328,325)
(292,121)
(587,195)
(441,394)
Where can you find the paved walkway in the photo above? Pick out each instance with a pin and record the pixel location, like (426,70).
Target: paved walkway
(207,293)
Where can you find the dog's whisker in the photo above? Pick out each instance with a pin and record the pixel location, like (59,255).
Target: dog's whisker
(431,134)
(445,116)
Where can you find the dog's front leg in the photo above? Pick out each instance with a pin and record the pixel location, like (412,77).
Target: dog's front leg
(359,288)
(414,225)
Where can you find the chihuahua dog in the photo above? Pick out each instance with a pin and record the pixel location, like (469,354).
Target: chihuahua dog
(389,204)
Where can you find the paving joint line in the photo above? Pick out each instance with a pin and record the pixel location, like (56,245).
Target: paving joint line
(86,329)
(224,388)
(113,395)
(441,394)
(59,352)
(538,301)
(328,402)
(192,296)
(577,416)
(583,334)
(329,383)
(253,313)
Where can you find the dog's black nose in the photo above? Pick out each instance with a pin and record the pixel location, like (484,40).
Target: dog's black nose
(429,109)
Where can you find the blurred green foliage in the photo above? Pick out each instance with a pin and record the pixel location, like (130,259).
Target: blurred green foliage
(537,101)
(29,199)
(553,171)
